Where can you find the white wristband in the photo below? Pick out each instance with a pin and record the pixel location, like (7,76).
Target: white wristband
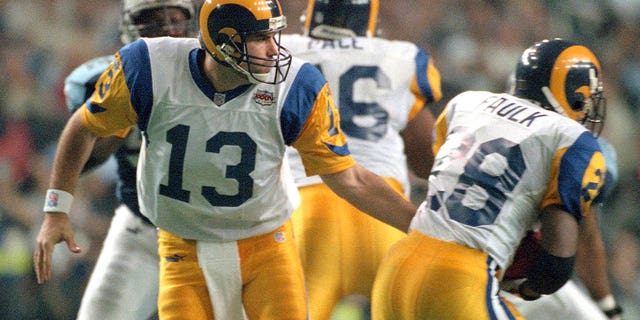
(607,303)
(58,201)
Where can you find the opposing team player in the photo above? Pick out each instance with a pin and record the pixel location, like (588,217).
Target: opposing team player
(216,115)
(124,282)
(382,88)
(503,163)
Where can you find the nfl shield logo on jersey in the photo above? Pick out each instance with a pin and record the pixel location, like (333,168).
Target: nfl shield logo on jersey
(219,98)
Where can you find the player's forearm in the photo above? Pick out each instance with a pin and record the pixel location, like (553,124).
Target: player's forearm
(102,150)
(372,195)
(555,263)
(591,265)
(74,147)
(417,137)
(594,276)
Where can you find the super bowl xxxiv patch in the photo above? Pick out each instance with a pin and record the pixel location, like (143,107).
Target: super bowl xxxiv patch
(264,98)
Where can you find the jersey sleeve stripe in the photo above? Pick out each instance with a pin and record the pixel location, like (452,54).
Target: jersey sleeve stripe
(137,68)
(426,76)
(342,150)
(300,101)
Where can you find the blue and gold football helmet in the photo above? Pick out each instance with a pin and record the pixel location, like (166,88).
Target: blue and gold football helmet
(564,77)
(225,26)
(336,19)
(140,19)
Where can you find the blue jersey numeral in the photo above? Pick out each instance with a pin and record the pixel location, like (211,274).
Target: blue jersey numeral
(362,120)
(178,137)
(489,176)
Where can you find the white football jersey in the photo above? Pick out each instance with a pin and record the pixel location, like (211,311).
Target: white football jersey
(499,161)
(378,85)
(211,163)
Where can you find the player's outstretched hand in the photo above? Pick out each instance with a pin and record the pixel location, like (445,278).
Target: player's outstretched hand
(55,228)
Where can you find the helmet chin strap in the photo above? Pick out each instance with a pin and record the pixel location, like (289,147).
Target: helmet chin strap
(254,78)
(553,102)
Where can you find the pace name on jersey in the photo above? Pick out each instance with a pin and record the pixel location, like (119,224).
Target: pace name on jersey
(345,43)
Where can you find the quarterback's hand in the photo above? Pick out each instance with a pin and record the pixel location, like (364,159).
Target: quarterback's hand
(55,228)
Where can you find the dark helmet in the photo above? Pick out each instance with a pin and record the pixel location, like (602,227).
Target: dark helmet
(225,26)
(336,19)
(564,77)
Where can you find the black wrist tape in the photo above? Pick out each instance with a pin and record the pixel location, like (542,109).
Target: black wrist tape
(550,272)
(617,310)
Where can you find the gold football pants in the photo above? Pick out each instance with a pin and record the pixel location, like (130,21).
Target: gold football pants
(256,278)
(425,278)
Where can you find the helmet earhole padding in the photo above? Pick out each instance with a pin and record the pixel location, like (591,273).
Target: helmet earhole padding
(227,46)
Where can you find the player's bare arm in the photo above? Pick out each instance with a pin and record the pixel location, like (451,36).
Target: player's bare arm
(417,138)
(369,193)
(555,262)
(74,147)
(103,149)
(591,258)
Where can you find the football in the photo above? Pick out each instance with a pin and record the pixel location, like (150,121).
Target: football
(525,256)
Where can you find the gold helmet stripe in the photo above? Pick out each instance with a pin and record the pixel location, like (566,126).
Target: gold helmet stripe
(373,18)
(561,68)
